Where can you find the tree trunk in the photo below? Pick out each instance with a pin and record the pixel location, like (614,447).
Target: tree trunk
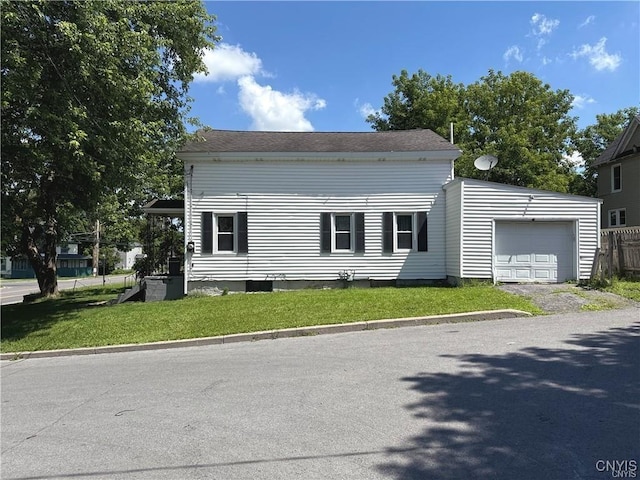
(43,263)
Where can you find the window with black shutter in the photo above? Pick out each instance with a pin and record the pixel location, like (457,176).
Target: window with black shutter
(342,232)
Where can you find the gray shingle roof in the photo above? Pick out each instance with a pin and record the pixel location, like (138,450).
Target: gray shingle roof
(318,142)
(607,153)
(611,152)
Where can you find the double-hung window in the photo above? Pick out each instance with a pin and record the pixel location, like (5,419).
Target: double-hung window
(618,217)
(224,232)
(404,229)
(404,232)
(616,178)
(342,232)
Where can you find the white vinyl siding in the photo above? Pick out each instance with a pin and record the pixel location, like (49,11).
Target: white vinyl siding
(453,229)
(284,201)
(482,204)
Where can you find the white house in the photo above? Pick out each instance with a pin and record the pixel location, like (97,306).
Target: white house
(268,210)
(126,259)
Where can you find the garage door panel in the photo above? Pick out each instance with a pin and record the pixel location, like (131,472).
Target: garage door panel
(504,273)
(541,274)
(545,258)
(534,252)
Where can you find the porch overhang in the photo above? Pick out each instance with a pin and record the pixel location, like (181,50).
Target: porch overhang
(165,208)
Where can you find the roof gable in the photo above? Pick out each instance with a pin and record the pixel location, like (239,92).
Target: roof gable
(228,141)
(626,143)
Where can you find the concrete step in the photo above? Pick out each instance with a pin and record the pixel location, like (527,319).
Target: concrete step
(130,294)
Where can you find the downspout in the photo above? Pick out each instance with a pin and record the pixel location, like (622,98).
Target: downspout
(189,237)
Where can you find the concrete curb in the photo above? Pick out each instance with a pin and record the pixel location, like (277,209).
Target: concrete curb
(274,334)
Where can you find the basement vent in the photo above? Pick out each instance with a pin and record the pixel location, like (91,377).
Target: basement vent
(259,286)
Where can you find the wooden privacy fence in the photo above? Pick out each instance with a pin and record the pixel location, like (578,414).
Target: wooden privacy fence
(619,253)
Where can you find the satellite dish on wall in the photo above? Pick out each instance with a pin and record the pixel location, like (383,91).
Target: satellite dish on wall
(485,162)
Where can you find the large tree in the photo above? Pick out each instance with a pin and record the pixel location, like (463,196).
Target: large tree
(94,100)
(420,101)
(516,118)
(591,141)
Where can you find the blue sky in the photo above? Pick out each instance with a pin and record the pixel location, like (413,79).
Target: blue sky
(323,66)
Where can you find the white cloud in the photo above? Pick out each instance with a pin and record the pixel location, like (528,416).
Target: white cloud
(543,25)
(273,110)
(513,52)
(598,56)
(229,62)
(269,109)
(364,109)
(588,21)
(580,101)
(575,159)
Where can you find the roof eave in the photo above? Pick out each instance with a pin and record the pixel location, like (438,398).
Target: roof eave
(243,156)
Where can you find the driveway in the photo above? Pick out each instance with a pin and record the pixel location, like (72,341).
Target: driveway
(564,297)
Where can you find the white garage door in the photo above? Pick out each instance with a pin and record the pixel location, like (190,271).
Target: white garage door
(534,251)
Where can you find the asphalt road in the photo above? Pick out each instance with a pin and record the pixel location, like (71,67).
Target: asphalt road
(551,397)
(13,291)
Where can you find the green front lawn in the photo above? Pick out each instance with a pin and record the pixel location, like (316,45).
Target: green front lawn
(71,321)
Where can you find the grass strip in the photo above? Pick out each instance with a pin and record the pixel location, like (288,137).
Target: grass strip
(70,321)
(625,288)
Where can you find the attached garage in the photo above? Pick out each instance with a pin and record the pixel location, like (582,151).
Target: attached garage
(527,251)
(513,234)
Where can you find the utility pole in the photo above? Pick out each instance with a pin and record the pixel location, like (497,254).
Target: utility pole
(96,248)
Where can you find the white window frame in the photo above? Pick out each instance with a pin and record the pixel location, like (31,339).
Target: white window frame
(414,232)
(613,186)
(616,212)
(352,233)
(217,233)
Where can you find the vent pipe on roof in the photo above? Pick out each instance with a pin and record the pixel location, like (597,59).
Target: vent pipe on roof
(451,133)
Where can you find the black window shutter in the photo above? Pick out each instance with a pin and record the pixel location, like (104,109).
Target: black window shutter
(325,232)
(207,232)
(422,232)
(387,232)
(243,240)
(359,232)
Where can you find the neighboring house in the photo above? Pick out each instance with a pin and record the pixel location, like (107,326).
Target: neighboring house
(5,267)
(69,264)
(619,179)
(271,210)
(128,258)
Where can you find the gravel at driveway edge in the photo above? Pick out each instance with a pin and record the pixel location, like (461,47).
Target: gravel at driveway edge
(566,298)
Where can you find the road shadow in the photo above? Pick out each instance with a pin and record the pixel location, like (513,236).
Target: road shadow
(530,414)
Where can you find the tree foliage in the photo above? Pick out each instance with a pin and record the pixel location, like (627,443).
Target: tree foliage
(593,140)
(419,101)
(517,118)
(94,99)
